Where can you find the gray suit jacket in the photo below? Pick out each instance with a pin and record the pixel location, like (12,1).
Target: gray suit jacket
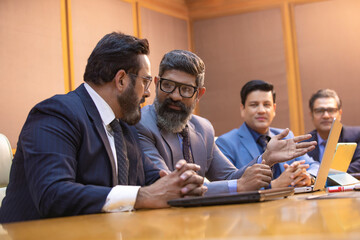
(164,149)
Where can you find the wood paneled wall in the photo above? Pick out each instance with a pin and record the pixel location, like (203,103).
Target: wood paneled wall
(45,45)
(320,50)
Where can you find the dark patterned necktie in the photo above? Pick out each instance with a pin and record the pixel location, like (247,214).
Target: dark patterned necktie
(120,146)
(263,141)
(186,145)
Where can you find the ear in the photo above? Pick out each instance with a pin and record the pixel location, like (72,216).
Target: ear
(120,80)
(340,113)
(242,109)
(156,80)
(201,92)
(274,109)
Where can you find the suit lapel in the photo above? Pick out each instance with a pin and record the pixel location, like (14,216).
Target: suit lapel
(173,143)
(198,147)
(248,141)
(95,117)
(315,154)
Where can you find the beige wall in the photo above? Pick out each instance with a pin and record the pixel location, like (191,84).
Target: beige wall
(328,35)
(31,65)
(237,49)
(91,23)
(39,58)
(164,33)
(299,45)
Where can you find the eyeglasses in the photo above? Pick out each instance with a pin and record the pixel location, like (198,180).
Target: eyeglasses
(185,90)
(321,111)
(146,80)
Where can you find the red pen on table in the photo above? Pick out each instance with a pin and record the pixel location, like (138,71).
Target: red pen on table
(343,188)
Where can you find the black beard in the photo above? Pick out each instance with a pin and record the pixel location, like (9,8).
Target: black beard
(130,106)
(172,120)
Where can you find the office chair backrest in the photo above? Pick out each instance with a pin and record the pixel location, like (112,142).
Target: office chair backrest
(6,157)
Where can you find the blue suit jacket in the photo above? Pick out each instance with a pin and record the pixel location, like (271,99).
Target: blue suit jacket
(348,134)
(239,146)
(64,164)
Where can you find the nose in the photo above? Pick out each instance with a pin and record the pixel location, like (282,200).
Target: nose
(175,95)
(326,114)
(261,108)
(147,93)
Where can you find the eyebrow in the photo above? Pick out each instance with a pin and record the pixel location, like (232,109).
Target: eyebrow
(257,101)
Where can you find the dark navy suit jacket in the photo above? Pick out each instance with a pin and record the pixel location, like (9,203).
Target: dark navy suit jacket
(64,164)
(348,134)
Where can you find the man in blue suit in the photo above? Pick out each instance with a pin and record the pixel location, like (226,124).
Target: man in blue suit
(325,105)
(242,145)
(78,153)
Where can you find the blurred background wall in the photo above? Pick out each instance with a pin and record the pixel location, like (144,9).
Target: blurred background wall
(298,45)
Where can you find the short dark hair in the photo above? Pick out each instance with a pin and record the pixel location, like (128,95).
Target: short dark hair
(113,52)
(324,93)
(254,85)
(184,61)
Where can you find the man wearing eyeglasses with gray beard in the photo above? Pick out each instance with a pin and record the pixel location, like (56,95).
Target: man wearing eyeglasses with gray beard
(168,131)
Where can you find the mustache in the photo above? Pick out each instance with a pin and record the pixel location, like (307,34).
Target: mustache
(179,104)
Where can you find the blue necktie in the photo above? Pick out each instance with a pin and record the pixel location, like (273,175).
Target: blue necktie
(120,146)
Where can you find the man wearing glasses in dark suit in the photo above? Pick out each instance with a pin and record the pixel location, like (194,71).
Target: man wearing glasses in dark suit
(78,153)
(325,105)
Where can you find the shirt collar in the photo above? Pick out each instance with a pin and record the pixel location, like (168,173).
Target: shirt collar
(320,140)
(255,134)
(106,113)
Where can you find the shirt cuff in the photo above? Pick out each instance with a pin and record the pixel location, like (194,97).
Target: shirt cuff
(259,160)
(232,185)
(121,199)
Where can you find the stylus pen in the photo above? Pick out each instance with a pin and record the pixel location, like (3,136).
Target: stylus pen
(342,188)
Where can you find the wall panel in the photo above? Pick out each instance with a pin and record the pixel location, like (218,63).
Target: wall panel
(31,66)
(91,20)
(328,36)
(164,33)
(237,49)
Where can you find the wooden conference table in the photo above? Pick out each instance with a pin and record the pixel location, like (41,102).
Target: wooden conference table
(291,218)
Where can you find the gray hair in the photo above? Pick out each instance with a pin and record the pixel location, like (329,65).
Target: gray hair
(184,61)
(324,93)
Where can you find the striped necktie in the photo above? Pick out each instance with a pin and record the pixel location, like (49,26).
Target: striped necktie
(120,146)
(186,145)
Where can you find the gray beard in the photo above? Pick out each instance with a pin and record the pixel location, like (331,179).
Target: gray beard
(171,120)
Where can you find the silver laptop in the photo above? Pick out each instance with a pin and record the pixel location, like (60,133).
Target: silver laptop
(326,161)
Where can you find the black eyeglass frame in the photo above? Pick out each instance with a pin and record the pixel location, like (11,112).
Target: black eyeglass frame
(178,85)
(147,78)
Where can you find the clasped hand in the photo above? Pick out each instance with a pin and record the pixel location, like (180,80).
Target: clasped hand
(183,181)
(294,175)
